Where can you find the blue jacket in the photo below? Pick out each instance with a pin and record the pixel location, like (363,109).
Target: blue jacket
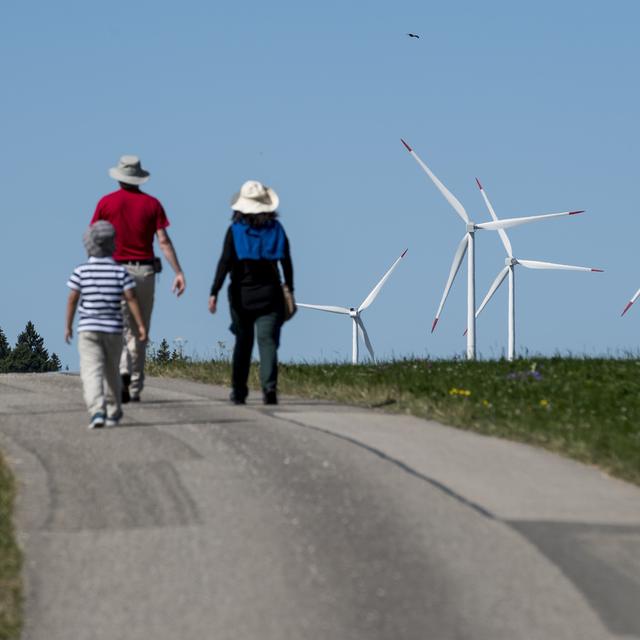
(262,243)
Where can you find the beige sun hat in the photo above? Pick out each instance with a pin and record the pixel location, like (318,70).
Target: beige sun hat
(254,197)
(129,171)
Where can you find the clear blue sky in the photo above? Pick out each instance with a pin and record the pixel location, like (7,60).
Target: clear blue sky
(539,100)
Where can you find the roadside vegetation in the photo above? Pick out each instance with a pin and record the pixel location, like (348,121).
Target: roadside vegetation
(27,355)
(584,408)
(10,561)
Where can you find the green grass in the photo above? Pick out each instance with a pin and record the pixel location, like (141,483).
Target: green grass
(585,408)
(10,561)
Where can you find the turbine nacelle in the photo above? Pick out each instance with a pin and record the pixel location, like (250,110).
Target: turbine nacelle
(510,261)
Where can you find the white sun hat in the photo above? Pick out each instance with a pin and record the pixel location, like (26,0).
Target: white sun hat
(129,171)
(254,197)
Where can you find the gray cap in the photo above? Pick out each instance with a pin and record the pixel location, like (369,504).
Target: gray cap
(100,239)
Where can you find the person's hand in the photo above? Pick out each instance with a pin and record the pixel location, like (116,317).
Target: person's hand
(179,284)
(142,333)
(68,334)
(213,304)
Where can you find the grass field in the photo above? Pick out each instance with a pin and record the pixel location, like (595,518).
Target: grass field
(10,561)
(585,408)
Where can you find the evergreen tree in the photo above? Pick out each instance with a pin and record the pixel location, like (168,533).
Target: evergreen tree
(177,356)
(5,349)
(29,354)
(163,354)
(54,363)
(5,352)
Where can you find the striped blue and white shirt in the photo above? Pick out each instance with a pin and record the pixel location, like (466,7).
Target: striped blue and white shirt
(101,283)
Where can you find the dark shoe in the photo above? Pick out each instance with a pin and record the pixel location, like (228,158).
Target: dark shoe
(126,381)
(112,421)
(270,397)
(237,399)
(135,398)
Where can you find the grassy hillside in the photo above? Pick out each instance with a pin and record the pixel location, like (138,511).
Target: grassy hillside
(588,409)
(10,561)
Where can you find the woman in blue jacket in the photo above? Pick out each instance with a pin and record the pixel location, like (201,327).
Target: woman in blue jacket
(254,245)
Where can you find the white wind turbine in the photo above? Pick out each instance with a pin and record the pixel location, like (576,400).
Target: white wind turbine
(467,245)
(509,269)
(354,313)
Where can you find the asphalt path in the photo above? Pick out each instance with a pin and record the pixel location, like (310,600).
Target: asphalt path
(197,519)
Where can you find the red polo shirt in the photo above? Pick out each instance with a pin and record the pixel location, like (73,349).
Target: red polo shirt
(136,217)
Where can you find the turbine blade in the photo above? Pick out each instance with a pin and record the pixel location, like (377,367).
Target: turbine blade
(507,223)
(365,336)
(494,287)
(451,199)
(376,290)
(503,234)
(455,266)
(537,264)
(635,297)
(323,308)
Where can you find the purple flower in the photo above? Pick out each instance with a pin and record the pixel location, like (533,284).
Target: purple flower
(524,375)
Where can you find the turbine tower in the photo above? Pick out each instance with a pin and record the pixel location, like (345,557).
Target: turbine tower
(509,269)
(354,313)
(467,245)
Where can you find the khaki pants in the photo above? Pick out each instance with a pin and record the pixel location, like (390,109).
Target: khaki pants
(134,352)
(99,357)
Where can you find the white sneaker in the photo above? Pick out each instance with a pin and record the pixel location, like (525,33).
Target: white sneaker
(97,421)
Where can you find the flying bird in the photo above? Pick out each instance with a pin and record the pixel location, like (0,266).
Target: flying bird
(413,35)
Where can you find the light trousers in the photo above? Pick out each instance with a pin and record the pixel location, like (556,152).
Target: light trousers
(99,358)
(134,352)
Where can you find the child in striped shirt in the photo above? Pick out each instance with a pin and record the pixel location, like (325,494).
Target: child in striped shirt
(99,285)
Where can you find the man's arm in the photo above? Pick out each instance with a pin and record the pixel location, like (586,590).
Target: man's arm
(179,282)
(72,303)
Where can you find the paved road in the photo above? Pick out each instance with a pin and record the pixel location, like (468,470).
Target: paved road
(196,519)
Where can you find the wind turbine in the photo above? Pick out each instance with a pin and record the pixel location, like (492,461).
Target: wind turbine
(509,269)
(354,313)
(467,245)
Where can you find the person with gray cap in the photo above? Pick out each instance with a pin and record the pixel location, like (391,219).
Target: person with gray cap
(138,218)
(99,285)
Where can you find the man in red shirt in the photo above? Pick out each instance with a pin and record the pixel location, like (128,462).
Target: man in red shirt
(137,218)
